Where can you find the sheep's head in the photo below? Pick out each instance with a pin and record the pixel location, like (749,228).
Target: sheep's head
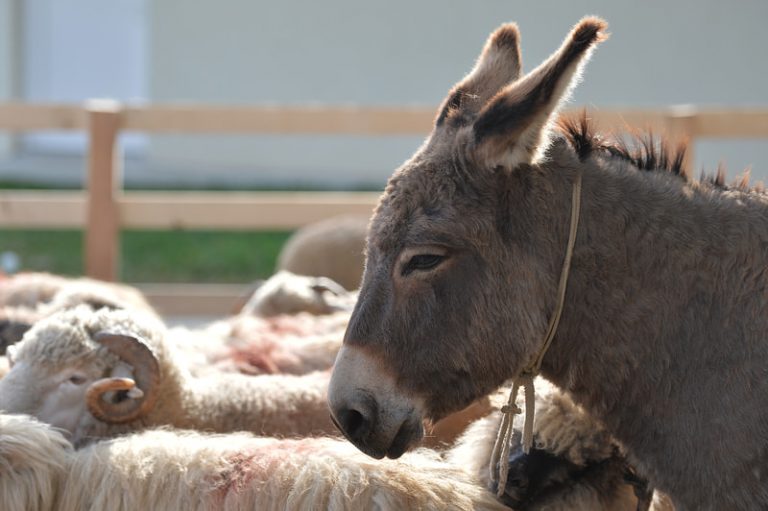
(79,365)
(287,293)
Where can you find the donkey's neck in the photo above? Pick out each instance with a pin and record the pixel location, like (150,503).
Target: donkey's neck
(663,332)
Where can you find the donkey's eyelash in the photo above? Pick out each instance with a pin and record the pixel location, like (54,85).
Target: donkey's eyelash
(422,262)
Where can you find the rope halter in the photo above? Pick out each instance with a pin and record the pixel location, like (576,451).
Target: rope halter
(499,471)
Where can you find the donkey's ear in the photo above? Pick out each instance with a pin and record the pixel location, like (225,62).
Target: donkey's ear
(513,127)
(497,66)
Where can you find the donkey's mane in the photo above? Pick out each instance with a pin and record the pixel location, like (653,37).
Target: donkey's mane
(644,152)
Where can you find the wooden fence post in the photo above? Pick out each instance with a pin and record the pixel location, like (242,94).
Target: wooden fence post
(102,230)
(681,127)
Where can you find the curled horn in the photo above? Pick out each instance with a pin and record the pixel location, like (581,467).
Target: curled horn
(146,372)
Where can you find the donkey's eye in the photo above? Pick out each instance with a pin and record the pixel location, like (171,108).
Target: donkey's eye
(422,262)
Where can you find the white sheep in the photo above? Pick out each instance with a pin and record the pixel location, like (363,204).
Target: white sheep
(29,289)
(174,470)
(575,466)
(101,373)
(184,470)
(33,290)
(330,248)
(296,344)
(29,297)
(33,461)
(98,374)
(289,293)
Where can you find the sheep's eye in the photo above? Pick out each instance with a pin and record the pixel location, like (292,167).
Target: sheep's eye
(76,379)
(422,262)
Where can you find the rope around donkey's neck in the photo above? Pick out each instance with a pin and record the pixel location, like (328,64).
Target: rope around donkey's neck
(500,471)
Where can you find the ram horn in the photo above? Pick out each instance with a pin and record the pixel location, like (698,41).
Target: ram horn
(146,371)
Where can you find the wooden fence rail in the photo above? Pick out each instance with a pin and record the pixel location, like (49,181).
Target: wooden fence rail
(104,208)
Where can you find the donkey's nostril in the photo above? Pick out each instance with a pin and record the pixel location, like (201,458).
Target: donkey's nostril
(354,421)
(354,424)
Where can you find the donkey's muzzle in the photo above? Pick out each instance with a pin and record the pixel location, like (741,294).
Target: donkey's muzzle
(377,437)
(368,409)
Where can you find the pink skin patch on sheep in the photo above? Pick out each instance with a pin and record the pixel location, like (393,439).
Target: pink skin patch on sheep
(283,344)
(257,464)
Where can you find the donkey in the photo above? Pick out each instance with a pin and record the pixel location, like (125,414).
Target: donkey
(664,330)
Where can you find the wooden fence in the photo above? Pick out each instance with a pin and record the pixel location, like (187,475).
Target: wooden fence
(104,208)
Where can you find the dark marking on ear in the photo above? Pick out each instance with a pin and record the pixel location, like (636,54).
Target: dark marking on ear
(452,104)
(497,66)
(504,116)
(509,113)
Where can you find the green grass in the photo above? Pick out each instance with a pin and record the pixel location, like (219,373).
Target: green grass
(156,256)
(28,185)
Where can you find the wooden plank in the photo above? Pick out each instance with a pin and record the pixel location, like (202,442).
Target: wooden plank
(303,120)
(730,123)
(344,119)
(194,299)
(681,130)
(188,210)
(102,236)
(46,210)
(21,117)
(621,120)
(235,210)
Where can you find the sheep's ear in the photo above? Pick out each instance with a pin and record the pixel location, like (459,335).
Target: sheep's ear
(513,128)
(12,332)
(497,66)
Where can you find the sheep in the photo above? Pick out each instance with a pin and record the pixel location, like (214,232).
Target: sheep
(574,464)
(101,373)
(33,462)
(183,470)
(330,248)
(31,290)
(291,324)
(29,297)
(282,344)
(68,364)
(288,293)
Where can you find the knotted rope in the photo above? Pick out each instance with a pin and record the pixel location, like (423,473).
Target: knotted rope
(499,471)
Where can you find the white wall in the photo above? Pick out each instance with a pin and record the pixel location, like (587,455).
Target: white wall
(704,52)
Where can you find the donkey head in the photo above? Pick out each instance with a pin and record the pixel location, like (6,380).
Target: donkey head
(458,281)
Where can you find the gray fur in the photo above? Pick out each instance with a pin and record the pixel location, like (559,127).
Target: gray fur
(663,334)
